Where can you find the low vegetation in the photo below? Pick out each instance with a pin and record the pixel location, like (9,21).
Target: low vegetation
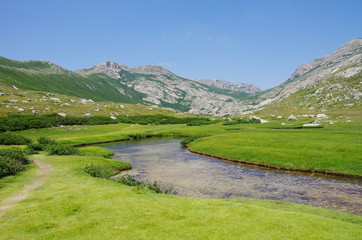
(12,161)
(23,122)
(13,139)
(131,181)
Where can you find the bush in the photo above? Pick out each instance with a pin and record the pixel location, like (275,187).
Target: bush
(45,141)
(12,139)
(187,140)
(98,171)
(9,166)
(12,161)
(60,149)
(15,154)
(36,146)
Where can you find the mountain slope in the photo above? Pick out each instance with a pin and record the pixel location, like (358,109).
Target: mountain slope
(330,82)
(163,88)
(48,77)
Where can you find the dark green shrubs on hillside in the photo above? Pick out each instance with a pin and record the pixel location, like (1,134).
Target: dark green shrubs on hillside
(45,141)
(99,171)
(187,140)
(12,139)
(23,122)
(12,161)
(60,149)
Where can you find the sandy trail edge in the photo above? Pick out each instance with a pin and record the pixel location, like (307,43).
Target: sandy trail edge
(41,176)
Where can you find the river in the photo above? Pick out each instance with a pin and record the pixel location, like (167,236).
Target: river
(196,176)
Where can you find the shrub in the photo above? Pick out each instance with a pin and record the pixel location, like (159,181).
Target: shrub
(98,171)
(60,149)
(15,154)
(187,140)
(9,166)
(12,139)
(45,141)
(12,161)
(36,146)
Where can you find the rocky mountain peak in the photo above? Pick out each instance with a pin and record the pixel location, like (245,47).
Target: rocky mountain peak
(150,69)
(113,65)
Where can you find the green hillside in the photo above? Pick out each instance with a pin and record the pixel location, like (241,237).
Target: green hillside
(48,77)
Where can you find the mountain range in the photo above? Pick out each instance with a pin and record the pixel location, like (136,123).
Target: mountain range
(330,82)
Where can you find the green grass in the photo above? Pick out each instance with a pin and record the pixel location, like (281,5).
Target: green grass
(73,205)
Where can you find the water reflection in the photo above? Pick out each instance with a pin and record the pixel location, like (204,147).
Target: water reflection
(195,176)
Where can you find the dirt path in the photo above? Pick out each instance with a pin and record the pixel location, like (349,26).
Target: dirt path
(41,176)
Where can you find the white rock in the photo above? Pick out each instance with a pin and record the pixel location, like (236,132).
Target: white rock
(322,115)
(13,101)
(113,117)
(283,124)
(35,111)
(55,99)
(62,114)
(24,101)
(2,94)
(121,106)
(15,88)
(311,124)
(21,109)
(292,117)
(279,117)
(88,115)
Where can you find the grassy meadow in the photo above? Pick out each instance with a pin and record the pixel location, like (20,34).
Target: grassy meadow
(73,205)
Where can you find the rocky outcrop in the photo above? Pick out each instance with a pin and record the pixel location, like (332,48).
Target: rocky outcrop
(237,87)
(163,88)
(345,62)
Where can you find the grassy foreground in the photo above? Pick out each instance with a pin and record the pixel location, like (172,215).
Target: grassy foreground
(73,205)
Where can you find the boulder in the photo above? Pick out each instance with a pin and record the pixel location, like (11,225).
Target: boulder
(62,114)
(292,117)
(322,115)
(21,109)
(15,88)
(311,124)
(55,99)
(113,117)
(88,115)
(35,112)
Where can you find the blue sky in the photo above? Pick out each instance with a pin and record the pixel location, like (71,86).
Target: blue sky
(259,42)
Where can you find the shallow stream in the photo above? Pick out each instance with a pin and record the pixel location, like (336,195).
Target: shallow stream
(196,176)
